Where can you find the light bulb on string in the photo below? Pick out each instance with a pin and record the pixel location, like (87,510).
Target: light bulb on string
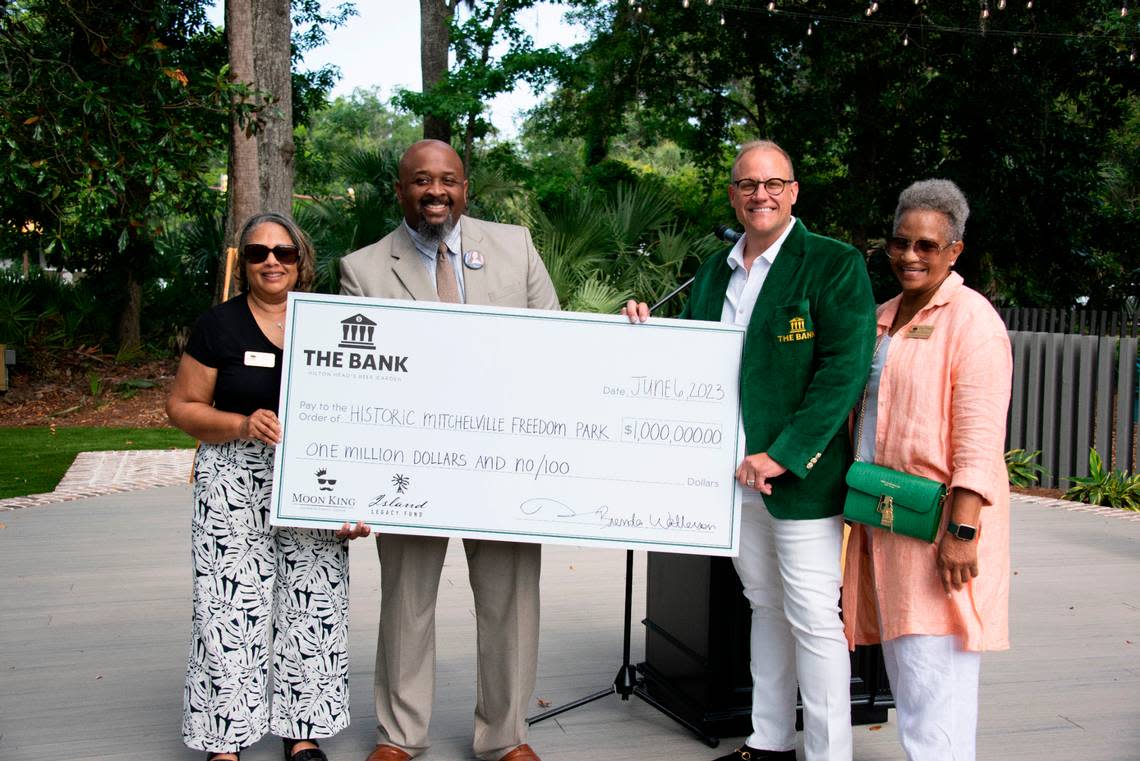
(809,29)
(874,6)
(1029,4)
(772,6)
(985,11)
(1001,5)
(1015,49)
(906,39)
(1132,56)
(722,19)
(684,3)
(1124,9)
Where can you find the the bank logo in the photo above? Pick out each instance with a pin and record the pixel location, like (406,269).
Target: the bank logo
(324,483)
(798,330)
(357,332)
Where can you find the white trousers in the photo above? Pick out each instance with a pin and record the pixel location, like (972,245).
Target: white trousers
(935,684)
(791,577)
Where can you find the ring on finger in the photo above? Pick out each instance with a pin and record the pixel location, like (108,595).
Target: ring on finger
(751,482)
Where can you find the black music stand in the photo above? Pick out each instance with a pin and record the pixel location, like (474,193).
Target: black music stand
(627,682)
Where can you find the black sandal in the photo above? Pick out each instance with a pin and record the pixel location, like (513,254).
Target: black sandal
(308,754)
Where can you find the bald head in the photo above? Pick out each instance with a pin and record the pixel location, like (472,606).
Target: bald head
(431,188)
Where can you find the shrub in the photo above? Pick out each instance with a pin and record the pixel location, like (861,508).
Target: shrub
(1022,469)
(1102,486)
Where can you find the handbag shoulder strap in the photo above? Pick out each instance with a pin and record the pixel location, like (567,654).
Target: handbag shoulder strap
(863,401)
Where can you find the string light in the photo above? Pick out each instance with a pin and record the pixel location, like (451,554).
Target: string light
(1015,49)
(985,9)
(1132,56)
(1029,4)
(1124,9)
(1001,5)
(722,19)
(809,29)
(684,3)
(772,6)
(906,39)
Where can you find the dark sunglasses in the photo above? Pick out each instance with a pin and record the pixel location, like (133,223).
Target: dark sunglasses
(256,253)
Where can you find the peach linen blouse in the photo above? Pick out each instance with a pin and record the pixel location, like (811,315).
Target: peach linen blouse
(942,410)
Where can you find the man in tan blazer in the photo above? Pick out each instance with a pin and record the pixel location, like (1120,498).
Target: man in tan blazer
(438,254)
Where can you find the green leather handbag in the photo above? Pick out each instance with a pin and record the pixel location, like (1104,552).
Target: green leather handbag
(890,499)
(894,501)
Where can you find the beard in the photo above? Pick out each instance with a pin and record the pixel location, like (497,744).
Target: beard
(437,231)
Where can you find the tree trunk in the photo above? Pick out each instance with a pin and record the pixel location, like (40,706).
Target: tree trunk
(243,198)
(272,27)
(130,319)
(435,39)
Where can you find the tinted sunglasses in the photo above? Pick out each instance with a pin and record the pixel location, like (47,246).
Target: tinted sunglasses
(923,248)
(256,253)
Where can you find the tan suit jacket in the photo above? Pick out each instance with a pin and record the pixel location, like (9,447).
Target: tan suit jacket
(513,274)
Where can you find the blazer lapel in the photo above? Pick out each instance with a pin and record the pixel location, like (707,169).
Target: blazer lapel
(409,269)
(476,289)
(785,267)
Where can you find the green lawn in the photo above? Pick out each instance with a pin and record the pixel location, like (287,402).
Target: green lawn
(33,460)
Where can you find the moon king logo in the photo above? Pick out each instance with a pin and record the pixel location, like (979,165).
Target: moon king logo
(357,333)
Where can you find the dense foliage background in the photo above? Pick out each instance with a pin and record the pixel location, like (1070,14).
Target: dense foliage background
(114,118)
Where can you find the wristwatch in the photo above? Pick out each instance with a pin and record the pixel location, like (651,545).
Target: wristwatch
(962,531)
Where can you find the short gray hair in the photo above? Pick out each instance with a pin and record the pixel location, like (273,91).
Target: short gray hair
(768,145)
(936,195)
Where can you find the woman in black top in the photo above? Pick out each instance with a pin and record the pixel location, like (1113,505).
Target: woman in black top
(258,589)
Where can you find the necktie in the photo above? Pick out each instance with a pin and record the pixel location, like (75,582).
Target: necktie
(446,288)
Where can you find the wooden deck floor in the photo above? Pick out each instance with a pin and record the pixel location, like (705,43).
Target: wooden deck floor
(94,624)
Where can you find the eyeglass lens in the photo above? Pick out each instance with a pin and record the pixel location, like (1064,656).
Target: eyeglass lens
(256,253)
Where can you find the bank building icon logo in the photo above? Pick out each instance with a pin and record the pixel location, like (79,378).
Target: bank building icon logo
(356,332)
(796,325)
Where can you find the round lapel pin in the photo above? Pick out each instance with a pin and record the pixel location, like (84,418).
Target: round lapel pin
(473,260)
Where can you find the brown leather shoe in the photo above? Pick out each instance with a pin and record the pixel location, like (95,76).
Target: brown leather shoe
(387,753)
(522,753)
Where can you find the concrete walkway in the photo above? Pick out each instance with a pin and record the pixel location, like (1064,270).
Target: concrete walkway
(94,627)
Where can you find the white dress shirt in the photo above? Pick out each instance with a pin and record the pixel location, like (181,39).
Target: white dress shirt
(744,285)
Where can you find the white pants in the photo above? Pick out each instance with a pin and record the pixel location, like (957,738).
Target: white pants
(790,572)
(935,684)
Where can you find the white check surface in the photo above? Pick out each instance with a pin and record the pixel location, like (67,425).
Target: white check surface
(532,426)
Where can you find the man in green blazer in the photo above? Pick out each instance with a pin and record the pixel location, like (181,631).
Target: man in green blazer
(806,303)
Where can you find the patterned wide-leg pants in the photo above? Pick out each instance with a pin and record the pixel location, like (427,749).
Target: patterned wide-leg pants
(260,589)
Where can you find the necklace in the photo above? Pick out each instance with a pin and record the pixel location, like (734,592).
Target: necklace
(279,324)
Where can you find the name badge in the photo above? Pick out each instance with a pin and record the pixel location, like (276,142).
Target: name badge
(920,331)
(260,359)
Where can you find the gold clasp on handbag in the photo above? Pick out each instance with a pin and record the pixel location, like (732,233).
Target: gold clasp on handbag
(886,508)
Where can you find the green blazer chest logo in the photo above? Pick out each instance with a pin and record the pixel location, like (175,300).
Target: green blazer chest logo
(797,331)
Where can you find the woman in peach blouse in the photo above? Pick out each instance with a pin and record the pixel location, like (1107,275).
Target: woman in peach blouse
(936,407)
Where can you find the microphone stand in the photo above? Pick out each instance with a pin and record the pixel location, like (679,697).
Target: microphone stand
(627,682)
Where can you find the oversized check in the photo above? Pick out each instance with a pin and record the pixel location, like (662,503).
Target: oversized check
(523,425)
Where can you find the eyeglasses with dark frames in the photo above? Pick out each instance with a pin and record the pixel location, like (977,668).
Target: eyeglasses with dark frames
(284,253)
(774,186)
(924,249)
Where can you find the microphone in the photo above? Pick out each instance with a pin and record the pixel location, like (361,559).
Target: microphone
(727,234)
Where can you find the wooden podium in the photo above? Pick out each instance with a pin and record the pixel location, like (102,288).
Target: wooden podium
(697,626)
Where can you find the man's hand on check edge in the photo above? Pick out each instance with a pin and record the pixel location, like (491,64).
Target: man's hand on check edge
(755,471)
(636,311)
(350,532)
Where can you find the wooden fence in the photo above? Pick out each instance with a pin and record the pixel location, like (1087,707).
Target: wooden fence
(1093,322)
(1072,392)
